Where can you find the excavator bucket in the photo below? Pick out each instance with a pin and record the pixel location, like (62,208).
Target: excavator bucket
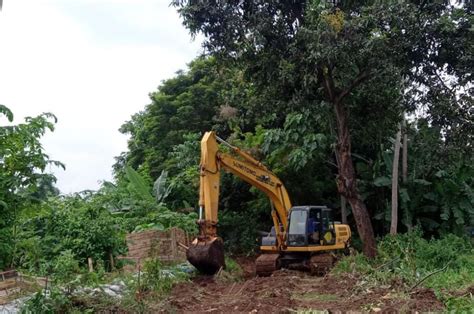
(206,255)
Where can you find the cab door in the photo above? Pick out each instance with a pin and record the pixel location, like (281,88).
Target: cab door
(297,231)
(327,226)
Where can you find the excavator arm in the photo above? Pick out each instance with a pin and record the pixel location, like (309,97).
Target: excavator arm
(206,251)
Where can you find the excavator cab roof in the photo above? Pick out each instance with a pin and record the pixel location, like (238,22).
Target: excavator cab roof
(307,207)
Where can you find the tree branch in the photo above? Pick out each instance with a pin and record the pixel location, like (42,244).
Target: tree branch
(328,82)
(422,5)
(362,76)
(429,275)
(443,83)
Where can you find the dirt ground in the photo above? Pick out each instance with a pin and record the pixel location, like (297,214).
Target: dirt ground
(292,291)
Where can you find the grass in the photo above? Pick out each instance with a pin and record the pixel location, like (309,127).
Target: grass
(232,272)
(314,296)
(407,260)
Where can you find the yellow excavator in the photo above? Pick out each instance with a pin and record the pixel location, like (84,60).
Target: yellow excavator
(302,237)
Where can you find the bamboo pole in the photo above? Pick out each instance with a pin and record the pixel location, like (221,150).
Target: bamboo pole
(396,158)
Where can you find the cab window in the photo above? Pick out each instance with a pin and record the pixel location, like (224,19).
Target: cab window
(298,222)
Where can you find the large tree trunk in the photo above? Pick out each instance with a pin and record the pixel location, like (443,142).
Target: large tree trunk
(396,159)
(343,210)
(342,198)
(346,182)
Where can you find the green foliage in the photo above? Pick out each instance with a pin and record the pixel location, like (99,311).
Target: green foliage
(459,304)
(298,148)
(65,270)
(188,103)
(45,303)
(408,259)
(149,226)
(6,112)
(232,266)
(303,57)
(73,224)
(138,185)
(232,272)
(138,211)
(299,142)
(159,279)
(438,192)
(183,164)
(92,224)
(240,232)
(357,263)
(160,189)
(266,91)
(23,165)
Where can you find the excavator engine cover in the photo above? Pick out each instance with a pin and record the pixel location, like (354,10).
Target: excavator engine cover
(207,255)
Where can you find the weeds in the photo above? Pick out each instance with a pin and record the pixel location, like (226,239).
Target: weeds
(47,301)
(70,295)
(158,279)
(407,260)
(232,272)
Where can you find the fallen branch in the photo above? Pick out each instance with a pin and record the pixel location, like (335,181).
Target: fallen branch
(429,275)
(388,263)
(242,288)
(231,288)
(219,272)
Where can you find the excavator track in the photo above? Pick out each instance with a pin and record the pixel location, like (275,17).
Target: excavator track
(266,264)
(320,264)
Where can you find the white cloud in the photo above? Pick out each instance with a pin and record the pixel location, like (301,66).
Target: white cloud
(63,57)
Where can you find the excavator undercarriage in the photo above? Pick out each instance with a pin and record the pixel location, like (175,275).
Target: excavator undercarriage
(266,264)
(318,264)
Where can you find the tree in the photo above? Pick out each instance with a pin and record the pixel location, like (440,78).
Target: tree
(191,102)
(340,56)
(23,165)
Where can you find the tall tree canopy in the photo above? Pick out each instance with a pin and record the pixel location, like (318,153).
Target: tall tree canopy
(193,101)
(358,58)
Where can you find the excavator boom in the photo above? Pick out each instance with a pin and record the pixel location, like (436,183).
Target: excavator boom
(206,251)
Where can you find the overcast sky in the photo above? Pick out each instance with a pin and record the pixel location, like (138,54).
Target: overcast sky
(92,63)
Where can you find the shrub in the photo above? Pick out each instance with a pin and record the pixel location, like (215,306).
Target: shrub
(445,264)
(65,270)
(158,279)
(52,302)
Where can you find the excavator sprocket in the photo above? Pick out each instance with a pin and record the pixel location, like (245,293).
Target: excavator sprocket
(320,264)
(266,264)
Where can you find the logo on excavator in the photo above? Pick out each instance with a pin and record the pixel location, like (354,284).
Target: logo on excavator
(261,178)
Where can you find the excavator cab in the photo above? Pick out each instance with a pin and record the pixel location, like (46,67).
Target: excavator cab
(309,226)
(310,238)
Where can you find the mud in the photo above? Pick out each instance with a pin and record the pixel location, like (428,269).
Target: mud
(288,291)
